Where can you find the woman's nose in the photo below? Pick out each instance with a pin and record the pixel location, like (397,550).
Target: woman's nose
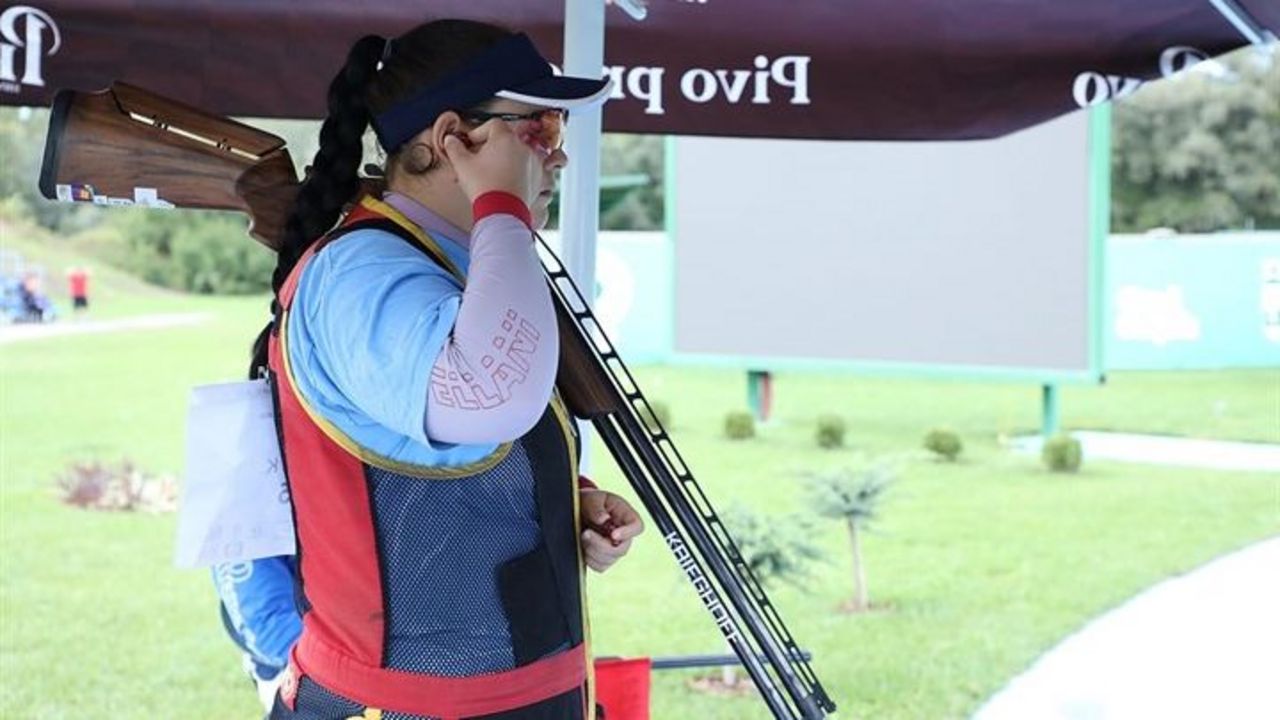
(556,160)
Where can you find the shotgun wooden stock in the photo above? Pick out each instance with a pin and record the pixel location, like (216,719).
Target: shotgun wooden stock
(128,146)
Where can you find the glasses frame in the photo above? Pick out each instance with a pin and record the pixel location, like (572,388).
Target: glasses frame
(480,117)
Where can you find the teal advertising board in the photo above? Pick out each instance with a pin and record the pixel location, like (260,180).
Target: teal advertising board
(1173,302)
(1193,301)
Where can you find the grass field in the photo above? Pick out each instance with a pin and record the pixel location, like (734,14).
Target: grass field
(979,565)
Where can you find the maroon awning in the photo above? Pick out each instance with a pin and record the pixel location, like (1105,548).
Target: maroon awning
(865,69)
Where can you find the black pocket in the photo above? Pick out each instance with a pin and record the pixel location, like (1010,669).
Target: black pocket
(314,702)
(532,604)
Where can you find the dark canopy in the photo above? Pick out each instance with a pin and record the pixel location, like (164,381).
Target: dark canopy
(850,69)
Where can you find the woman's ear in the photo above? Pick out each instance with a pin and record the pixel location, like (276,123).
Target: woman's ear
(424,152)
(449,123)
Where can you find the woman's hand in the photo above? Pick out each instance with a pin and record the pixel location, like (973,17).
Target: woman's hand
(494,159)
(602,508)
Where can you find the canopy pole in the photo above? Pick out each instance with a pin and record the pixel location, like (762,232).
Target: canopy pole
(580,186)
(580,183)
(1251,29)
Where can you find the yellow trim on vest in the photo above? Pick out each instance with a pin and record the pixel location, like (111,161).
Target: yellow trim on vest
(367,456)
(558,408)
(375,205)
(346,442)
(562,414)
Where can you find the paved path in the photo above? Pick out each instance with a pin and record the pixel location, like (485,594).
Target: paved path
(38,331)
(1166,450)
(1201,646)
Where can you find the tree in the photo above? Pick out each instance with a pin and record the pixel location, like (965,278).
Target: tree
(1198,152)
(853,496)
(642,208)
(22,136)
(200,251)
(192,250)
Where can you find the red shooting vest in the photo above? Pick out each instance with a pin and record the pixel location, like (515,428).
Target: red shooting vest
(343,643)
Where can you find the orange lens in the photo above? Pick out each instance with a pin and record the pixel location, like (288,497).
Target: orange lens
(552,124)
(545,131)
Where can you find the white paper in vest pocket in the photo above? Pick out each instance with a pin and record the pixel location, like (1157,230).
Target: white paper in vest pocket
(235,501)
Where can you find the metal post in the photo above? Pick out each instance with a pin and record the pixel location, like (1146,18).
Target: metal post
(760,394)
(1050,412)
(753,395)
(580,191)
(580,184)
(1250,28)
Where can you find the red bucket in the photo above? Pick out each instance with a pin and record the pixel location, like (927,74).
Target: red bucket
(622,687)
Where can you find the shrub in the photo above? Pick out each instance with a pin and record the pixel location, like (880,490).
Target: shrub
(1062,453)
(657,416)
(831,429)
(14,209)
(946,444)
(98,486)
(739,425)
(203,252)
(776,548)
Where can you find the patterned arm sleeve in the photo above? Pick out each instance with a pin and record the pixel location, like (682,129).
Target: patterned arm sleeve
(494,376)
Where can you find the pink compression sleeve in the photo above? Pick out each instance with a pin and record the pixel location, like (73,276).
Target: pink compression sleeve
(494,376)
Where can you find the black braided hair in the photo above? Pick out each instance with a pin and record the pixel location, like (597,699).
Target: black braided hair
(366,85)
(332,180)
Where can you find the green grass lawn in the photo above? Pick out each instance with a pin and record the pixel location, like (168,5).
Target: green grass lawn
(979,565)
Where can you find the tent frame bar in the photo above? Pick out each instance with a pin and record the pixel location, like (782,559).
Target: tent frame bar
(1250,28)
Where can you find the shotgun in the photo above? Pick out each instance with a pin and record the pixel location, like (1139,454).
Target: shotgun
(129,146)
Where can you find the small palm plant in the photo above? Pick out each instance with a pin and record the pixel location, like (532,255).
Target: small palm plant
(855,497)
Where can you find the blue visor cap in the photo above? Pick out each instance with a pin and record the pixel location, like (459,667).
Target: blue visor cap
(511,69)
